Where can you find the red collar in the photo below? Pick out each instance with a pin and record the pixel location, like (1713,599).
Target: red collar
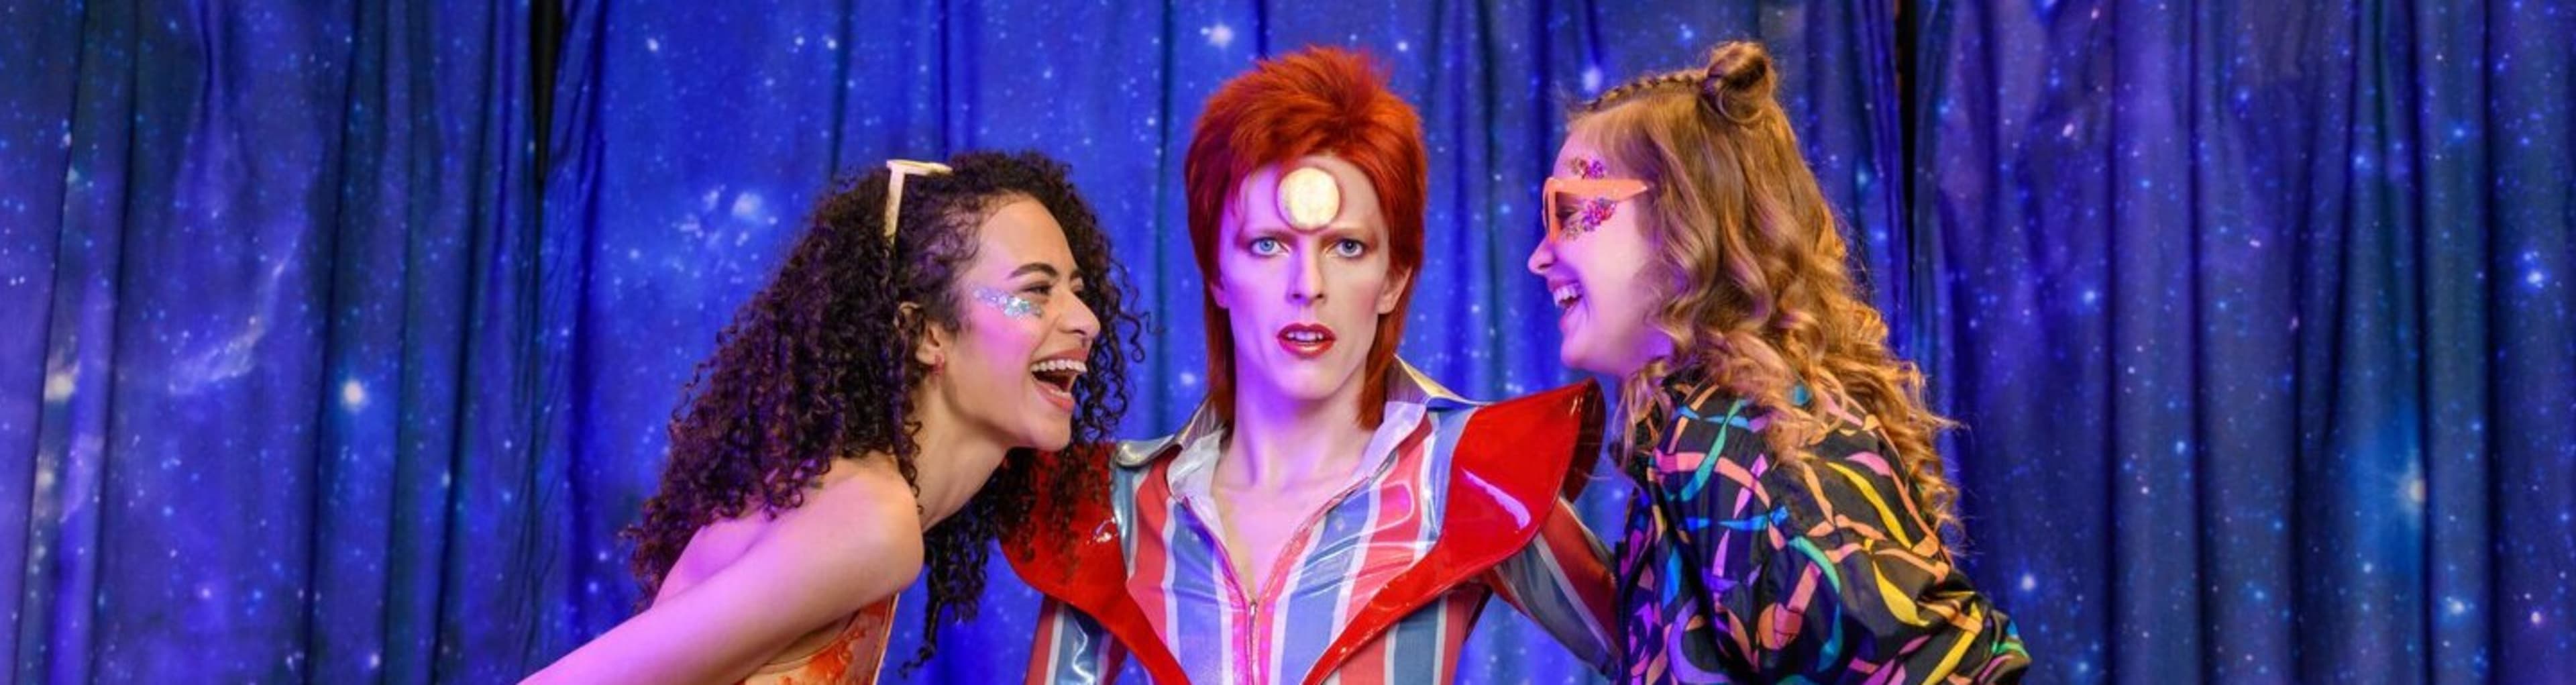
(1511,462)
(1087,573)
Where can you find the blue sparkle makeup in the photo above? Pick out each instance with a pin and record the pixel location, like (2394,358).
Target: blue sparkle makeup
(1010,305)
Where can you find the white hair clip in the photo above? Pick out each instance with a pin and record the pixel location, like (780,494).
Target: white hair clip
(898,169)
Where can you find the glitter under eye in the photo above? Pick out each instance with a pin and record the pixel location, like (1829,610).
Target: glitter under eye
(1010,305)
(1589,214)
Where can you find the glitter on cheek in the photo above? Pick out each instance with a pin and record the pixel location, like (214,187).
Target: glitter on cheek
(1594,212)
(1010,305)
(1589,212)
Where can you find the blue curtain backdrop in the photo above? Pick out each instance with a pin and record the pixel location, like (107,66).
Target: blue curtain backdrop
(2258,315)
(335,343)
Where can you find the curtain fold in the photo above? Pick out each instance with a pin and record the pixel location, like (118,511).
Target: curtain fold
(2255,313)
(336,343)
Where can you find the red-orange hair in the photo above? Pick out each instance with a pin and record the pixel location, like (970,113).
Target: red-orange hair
(1311,102)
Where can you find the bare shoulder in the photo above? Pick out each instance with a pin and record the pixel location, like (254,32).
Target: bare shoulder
(854,540)
(861,518)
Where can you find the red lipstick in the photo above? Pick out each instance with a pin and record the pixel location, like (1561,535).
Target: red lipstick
(1306,340)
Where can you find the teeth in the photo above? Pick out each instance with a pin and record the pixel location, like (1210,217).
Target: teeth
(1567,294)
(1306,336)
(1060,365)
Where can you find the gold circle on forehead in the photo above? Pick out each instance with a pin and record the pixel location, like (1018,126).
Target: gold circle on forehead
(1309,197)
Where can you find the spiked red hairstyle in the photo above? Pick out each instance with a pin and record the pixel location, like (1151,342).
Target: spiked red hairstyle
(1311,102)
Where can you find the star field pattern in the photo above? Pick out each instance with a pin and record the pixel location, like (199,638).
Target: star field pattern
(309,372)
(277,372)
(2258,318)
(714,128)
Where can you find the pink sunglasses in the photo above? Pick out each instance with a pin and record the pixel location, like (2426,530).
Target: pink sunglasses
(1595,198)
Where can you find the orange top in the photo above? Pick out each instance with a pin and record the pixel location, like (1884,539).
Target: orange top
(852,657)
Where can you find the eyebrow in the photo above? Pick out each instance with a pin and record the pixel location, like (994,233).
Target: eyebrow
(1036,267)
(1285,231)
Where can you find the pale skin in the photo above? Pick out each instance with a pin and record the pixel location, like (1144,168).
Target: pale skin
(759,586)
(1296,437)
(1605,303)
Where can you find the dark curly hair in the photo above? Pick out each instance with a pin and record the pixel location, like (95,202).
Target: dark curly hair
(818,366)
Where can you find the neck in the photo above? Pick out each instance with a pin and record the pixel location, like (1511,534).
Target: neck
(950,460)
(1278,441)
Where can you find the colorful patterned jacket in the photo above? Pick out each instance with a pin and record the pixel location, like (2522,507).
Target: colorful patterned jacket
(1741,566)
(1455,502)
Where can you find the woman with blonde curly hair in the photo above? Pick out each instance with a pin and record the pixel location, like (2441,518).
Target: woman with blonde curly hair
(1793,521)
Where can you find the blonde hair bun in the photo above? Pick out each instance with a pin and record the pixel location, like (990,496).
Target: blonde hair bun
(1738,80)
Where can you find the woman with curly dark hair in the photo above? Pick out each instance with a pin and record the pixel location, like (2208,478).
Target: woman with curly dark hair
(870,414)
(1792,521)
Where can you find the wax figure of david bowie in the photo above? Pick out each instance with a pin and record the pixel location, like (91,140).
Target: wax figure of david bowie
(1328,512)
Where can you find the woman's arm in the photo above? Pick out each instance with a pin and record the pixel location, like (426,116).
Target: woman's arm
(1072,649)
(851,544)
(1562,581)
(1824,569)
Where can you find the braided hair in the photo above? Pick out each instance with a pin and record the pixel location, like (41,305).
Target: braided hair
(1766,301)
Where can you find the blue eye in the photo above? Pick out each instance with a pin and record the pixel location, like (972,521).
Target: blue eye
(1268,246)
(1349,248)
